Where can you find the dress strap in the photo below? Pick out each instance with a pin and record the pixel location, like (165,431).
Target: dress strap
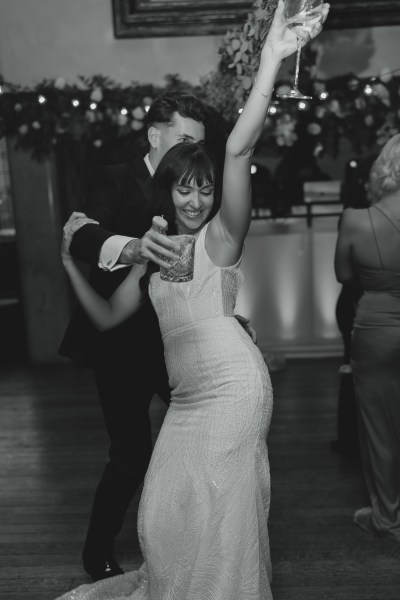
(388,218)
(203,232)
(376,241)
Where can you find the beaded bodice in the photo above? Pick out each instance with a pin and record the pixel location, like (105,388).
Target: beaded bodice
(211,294)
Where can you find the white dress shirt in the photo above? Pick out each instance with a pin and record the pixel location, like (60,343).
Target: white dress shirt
(113,246)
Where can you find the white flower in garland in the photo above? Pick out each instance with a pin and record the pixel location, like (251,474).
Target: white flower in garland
(137,125)
(283,89)
(138,113)
(314,128)
(90,116)
(122,119)
(59,83)
(285,130)
(386,75)
(335,108)
(96,95)
(360,103)
(382,92)
(320,112)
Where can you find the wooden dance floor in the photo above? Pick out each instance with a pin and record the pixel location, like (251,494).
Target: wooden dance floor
(53,447)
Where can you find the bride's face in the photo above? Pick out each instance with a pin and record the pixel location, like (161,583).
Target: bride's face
(193,204)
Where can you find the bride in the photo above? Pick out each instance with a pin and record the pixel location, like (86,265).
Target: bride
(203,513)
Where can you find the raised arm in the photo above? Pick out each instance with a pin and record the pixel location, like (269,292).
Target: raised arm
(235,213)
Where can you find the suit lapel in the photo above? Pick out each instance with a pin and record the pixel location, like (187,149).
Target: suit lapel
(142,176)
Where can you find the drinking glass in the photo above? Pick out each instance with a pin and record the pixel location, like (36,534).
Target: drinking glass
(181,267)
(298,15)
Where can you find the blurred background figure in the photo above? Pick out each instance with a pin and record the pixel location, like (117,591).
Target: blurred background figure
(353,195)
(368,250)
(298,165)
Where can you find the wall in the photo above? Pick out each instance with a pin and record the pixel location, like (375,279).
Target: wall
(290,289)
(52,38)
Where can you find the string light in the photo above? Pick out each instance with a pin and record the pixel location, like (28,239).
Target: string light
(371,101)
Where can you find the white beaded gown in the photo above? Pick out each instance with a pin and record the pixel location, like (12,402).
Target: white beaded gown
(204,509)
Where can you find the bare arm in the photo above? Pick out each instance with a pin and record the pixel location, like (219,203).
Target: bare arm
(105,314)
(235,214)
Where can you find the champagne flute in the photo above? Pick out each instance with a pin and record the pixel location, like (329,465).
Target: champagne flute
(298,15)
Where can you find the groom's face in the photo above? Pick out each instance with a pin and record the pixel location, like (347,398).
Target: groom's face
(162,136)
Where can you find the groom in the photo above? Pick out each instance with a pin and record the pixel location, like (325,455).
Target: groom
(128,361)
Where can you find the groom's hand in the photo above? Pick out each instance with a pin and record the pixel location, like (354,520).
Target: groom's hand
(75,222)
(245,323)
(154,245)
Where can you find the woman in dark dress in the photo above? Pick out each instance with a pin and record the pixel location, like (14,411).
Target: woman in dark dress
(368,250)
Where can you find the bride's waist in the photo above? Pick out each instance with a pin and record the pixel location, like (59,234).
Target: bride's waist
(201,327)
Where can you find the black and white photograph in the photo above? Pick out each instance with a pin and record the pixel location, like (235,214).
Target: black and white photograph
(200,300)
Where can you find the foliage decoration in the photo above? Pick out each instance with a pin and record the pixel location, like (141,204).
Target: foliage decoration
(227,87)
(92,113)
(96,112)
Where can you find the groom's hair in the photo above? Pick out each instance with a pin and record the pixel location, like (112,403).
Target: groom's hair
(164,107)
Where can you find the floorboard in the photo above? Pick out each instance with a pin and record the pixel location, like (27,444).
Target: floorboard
(53,447)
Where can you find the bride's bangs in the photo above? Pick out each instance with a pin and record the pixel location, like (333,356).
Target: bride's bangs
(198,168)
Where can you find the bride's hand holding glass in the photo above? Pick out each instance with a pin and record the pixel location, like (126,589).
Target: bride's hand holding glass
(284,39)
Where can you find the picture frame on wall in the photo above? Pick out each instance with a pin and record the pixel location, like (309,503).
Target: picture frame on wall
(175,18)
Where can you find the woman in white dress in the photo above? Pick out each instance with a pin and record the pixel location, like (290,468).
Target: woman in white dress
(203,513)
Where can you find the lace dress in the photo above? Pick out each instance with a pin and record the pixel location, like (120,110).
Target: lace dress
(204,508)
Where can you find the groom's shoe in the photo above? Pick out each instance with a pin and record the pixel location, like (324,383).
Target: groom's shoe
(101,567)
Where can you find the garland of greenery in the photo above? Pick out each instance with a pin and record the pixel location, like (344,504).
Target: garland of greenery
(96,111)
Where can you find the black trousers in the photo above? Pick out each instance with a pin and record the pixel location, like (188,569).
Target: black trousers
(125,390)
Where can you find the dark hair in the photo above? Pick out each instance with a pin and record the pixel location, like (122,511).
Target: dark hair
(187,105)
(183,163)
(354,188)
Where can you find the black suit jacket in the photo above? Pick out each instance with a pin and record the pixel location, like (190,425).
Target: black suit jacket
(119,197)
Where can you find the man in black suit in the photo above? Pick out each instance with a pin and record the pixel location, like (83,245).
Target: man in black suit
(128,361)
